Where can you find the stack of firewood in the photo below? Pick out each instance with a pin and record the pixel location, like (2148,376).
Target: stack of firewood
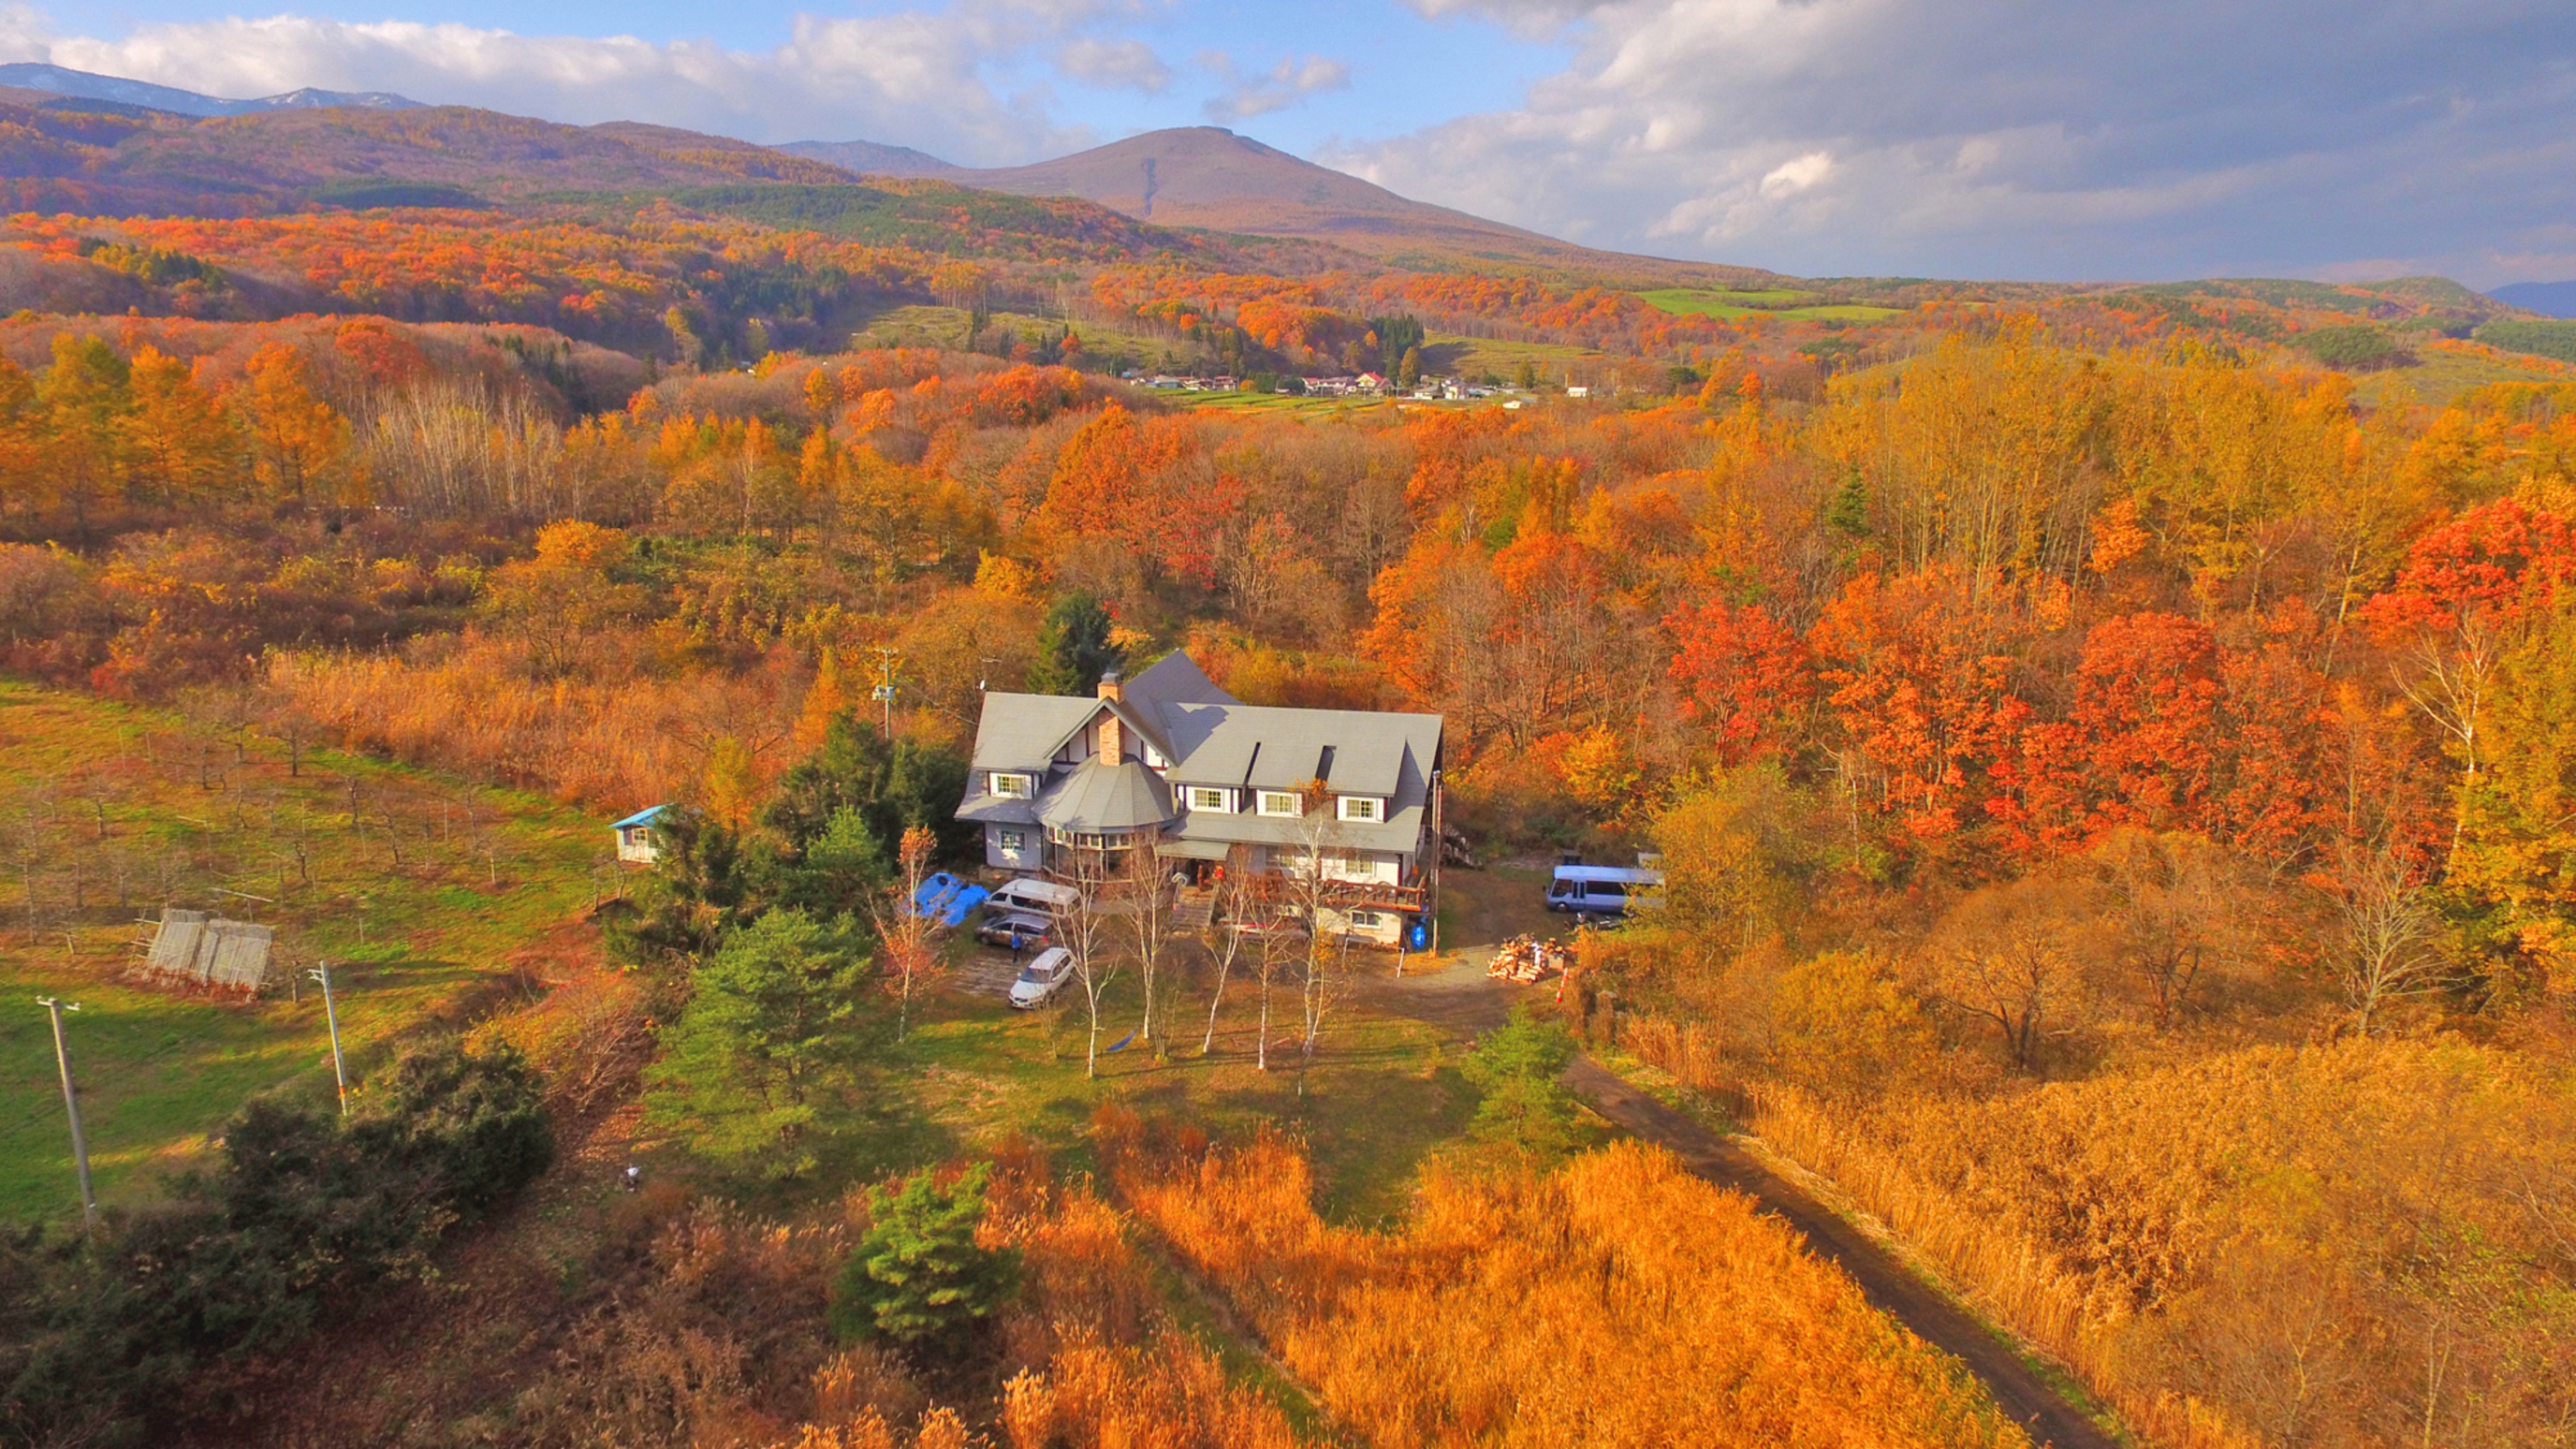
(1527,958)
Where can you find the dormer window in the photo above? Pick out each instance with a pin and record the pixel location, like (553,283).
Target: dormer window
(1202,797)
(1012,785)
(1362,807)
(1282,803)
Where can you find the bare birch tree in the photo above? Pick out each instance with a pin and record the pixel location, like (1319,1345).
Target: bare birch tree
(1081,928)
(1309,890)
(1269,949)
(1149,922)
(2391,947)
(1224,942)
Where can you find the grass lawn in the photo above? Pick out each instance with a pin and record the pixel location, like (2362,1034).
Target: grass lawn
(1382,1091)
(1688,302)
(108,811)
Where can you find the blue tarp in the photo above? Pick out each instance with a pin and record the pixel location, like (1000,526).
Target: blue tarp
(962,904)
(930,898)
(946,899)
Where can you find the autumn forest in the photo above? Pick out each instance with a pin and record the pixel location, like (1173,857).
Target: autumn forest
(2110,753)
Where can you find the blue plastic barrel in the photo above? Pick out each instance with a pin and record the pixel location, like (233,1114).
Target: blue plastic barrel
(1417,935)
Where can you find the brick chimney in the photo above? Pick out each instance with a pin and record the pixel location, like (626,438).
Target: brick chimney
(1112,688)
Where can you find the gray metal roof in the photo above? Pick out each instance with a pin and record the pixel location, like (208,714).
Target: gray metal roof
(1281,749)
(1175,679)
(1022,731)
(1212,739)
(1107,797)
(996,809)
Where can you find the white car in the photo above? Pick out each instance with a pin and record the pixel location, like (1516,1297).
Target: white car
(1042,977)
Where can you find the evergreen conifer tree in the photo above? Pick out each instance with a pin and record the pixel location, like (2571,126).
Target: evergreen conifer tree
(919,1276)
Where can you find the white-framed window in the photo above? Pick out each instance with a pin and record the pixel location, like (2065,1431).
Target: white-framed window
(1011,785)
(1361,807)
(1279,802)
(1202,797)
(1155,759)
(1014,841)
(1366,920)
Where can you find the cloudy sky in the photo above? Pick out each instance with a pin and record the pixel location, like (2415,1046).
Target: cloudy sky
(2057,139)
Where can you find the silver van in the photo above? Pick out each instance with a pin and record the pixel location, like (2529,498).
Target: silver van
(1603,890)
(1029,895)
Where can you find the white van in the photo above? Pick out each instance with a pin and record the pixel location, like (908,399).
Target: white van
(1031,896)
(1603,890)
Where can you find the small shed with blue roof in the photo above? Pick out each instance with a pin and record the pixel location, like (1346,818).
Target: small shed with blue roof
(635,836)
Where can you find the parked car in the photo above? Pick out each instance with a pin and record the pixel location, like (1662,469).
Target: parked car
(1042,978)
(1012,930)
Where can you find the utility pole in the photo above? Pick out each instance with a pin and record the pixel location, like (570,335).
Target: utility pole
(331,1013)
(1439,850)
(886,656)
(71,1106)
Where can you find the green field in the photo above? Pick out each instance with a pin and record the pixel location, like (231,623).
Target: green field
(111,811)
(1446,354)
(1687,302)
(1270,402)
(926,325)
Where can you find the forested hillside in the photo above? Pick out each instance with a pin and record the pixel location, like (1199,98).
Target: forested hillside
(2110,749)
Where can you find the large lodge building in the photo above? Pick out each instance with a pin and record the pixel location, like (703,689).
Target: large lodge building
(1071,787)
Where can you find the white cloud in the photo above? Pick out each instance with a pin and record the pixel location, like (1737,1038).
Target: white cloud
(1793,176)
(1534,18)
(2065,138)
(1282,86)
(913,77)
(1114,65)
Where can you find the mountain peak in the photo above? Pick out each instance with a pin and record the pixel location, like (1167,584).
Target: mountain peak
(90,86)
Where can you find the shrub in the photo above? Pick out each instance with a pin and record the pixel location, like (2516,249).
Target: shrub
(2358,348)
(475,1122)
(102,1342)
(919,1276)
(1525,1106)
